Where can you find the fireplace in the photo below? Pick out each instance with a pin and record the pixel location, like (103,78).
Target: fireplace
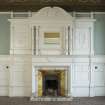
(52,83)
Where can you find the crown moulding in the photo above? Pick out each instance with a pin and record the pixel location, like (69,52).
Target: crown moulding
(53,1)
(56,1)
(69,5)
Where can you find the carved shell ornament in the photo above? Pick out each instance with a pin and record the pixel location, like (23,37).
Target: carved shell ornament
(52,13)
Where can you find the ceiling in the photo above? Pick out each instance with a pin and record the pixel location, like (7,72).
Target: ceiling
(69,5)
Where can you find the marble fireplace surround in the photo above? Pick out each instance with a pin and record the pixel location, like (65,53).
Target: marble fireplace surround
(35,80)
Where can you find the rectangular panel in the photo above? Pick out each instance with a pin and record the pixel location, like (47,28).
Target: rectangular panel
(81,76)
(18,77)
(4,91)
(80,92)
(51,40)
(99,91)
(81,41)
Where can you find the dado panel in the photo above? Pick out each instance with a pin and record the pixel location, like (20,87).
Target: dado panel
(4,75)
(16,75)
(20,77)
(80,81)
(99,79)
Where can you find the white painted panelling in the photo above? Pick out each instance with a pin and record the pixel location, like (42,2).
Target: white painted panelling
(4,90)
(99,78)
(21,79)
(80,81)
(99,74)
(100,91)
(4,83)
(81,73)
(21,73)
(20,91)
(80,92)
(4,76)
(18,76)
(81,43)
(81,76)
(22,59)
(18,67)
(20,38)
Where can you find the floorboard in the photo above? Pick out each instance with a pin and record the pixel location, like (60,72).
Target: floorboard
(76,101)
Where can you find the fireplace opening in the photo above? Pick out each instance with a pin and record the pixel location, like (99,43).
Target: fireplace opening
(51,85)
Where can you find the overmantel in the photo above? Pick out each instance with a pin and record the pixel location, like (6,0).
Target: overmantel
(52,31)
(47,15)
(51,14)
(33,23)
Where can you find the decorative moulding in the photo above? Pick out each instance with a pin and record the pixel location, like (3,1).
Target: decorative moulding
(51,14)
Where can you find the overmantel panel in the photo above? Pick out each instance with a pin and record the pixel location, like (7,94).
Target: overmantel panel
(51,20)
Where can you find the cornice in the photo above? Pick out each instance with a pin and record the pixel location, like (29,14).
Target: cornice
(69,5)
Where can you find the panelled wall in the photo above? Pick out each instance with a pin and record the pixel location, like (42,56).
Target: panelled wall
(99,34)
(4,75)
(86,82)
(15,74)
(4,34)
(20,76)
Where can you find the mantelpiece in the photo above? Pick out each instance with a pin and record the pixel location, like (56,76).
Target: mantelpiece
(65,85)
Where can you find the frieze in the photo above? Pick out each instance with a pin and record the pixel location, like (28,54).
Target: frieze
(55,1)
(69,5)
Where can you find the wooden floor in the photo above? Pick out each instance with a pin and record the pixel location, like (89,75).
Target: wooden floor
(76,101)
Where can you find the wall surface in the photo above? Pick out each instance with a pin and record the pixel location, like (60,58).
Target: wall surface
(4,34)
(16,70)
(4,75)
(16,80)
(99,34)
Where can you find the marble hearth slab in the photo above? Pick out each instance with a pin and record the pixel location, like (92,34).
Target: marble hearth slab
(51,98)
